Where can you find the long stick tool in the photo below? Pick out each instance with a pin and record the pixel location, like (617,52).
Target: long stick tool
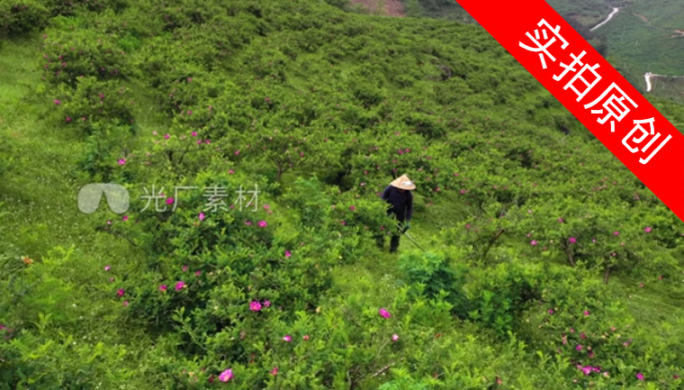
(411,238)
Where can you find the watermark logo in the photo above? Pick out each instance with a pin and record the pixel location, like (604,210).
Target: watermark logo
(90,195)
(118,198)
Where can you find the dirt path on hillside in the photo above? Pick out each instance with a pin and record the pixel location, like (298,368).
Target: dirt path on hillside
(615,10)
(390,7)
(648,76)
(643,18)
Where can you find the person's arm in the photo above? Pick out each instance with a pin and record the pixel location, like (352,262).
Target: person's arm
(409,207)
(385,194)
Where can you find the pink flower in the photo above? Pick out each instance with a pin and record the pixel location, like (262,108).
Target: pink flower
(125,218)
(226,375)
(625,343)
(572,240)
(288,254)
(189,79)
(206,141)
(533,242)
(169,201)
(586,370)
(248,223)
(237,152)
(180,285)
(344,223)
(122,161)
(641,285)
(255,306)
(647,230)
(287,338)
(383,312)
(582,335)
(550,311)
(125,303)
(121,292)
(579,347)
(230,171)
(262,224)
(194,134)
(189,112)
(185,268)
(586,313)
(267,303)
(201,216)
(274,371)
(560,220)
(167,136)
(57,102)
(198,273)
(352,208)
(107,268)
(395,338)
(305,337)
(163,287)
(616,233)
(154,133)
(640,376)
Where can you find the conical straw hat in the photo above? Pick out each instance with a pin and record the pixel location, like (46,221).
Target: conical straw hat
(404,183)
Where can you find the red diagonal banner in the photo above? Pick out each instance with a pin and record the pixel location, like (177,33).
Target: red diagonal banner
(591,89)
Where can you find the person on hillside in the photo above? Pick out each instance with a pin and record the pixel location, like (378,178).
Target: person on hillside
(398,195)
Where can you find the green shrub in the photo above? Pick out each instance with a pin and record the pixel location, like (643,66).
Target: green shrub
(93,105)
(74,7)
(70,55)
(21,17)
(431,275)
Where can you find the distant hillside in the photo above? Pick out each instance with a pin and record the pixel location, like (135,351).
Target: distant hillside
(644,36)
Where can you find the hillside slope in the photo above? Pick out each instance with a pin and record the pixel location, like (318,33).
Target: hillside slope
(642,37)
(548,265)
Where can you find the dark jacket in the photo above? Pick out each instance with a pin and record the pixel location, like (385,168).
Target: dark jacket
(402,204)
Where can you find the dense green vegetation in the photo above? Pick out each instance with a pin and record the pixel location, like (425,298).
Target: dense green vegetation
(548,265)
